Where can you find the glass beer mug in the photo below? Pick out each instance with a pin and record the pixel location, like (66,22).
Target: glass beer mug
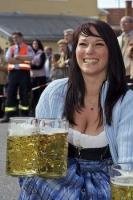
(53,147)
(22,147)
(37,147)
(122,181)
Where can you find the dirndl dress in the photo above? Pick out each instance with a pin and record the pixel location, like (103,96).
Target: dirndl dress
(86,179)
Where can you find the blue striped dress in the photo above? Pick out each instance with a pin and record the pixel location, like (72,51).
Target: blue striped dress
(84,181)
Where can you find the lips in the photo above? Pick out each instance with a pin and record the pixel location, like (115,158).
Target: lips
(90,60)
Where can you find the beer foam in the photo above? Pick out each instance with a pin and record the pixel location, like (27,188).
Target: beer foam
(52,131)
(21,129)
(123,181)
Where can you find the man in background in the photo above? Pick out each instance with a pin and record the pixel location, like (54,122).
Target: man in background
(47,66)
(68,36)
(126,25)
(18,57)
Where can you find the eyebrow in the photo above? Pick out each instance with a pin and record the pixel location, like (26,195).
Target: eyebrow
(97,39)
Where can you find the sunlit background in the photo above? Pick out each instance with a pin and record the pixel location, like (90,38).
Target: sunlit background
(111,3)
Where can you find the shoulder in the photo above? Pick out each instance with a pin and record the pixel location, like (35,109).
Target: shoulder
(52,99)
(128,98)
(42,54)
(124,106)
(10,51)
(25,45)
(126,101)
(122,129)
(55,90)
(57,86)
(29,47)
(12,48)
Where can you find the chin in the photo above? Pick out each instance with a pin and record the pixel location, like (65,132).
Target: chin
(88,73)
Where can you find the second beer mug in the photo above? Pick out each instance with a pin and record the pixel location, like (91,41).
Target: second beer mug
(53,147)
(122,181)
(37,147)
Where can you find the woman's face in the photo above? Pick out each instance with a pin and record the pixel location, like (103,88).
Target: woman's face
(35,45)
(62,48)
(92,54)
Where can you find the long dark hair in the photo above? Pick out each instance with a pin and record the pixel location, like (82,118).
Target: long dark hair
(40,45)
(115,72)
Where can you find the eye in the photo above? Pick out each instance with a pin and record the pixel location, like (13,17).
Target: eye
(100,44)
(82,44)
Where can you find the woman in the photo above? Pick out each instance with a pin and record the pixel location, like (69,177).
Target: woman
(60,68)
(54,73)
(37,73)
(97,105)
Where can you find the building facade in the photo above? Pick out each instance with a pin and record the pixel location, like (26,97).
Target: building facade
(65,7)
(80,8)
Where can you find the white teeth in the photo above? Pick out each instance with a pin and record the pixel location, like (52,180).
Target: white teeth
(90,61)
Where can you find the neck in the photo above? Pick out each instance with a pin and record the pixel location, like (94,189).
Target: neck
(93,86)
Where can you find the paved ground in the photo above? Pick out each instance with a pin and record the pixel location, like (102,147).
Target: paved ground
(9,188)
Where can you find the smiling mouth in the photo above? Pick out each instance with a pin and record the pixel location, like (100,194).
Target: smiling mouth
(90,61)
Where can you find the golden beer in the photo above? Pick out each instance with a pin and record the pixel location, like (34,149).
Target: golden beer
(53,151)
(22,155)
(122,188)
(43,155)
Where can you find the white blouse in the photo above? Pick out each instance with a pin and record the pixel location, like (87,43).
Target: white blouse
(79,139)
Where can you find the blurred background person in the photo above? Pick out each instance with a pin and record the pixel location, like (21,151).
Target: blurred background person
(38,78)
(3,81)
(18,57)
(60,61)
(126,25)
(68,36)
(55,73)
(48,52)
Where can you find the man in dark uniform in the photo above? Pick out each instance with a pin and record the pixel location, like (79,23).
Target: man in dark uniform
(18,57)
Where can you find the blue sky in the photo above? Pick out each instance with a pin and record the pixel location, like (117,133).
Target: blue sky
(111,3)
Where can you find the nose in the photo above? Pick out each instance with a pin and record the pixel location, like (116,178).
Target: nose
(90,49)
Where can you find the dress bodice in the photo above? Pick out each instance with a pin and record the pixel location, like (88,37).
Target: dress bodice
(87,141)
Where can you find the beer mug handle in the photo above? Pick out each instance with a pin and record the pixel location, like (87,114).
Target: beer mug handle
(34,122)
